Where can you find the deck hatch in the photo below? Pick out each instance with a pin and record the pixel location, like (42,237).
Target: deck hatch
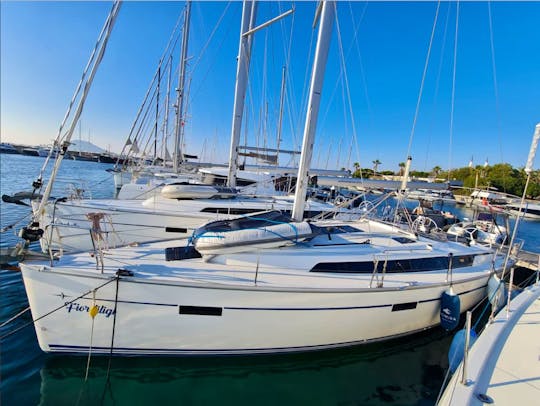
(179,253)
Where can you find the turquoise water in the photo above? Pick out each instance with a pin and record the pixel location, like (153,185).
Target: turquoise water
(406,371)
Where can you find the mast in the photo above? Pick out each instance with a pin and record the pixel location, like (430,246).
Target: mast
(281,102)
(165,128)
(249,9)
(80,136)
(179,129)
(405,177)
(316,85)
(157,112)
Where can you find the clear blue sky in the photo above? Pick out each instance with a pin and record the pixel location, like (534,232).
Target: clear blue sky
(45,46)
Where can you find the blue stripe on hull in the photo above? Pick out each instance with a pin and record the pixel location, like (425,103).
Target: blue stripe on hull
(288,308)
(126,351)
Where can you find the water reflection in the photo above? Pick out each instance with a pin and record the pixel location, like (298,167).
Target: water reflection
(407,371)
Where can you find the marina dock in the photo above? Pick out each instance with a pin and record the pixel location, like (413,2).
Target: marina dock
(529,260)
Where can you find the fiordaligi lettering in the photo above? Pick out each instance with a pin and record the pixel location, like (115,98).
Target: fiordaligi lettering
(76,307)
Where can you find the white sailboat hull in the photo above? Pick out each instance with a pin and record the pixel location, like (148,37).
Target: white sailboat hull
(154,317)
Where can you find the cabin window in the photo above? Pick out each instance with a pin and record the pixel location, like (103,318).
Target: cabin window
(403,240)
(229,210)
(341,229)
(395,265)
(241,211)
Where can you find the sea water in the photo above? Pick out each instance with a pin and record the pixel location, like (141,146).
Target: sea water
(405,371)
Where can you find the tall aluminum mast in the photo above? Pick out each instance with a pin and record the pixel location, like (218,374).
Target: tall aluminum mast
(249,10)
(316,85)
(179,128)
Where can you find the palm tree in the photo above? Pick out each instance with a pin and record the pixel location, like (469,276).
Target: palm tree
(401,168)
(376,164)
(437,170)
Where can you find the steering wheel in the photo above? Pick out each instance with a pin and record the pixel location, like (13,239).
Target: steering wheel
(365,207)
(424,225)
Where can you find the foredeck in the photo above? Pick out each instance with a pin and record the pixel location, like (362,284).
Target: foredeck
(516,376)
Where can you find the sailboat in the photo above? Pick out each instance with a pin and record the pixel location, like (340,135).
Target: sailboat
(301,286)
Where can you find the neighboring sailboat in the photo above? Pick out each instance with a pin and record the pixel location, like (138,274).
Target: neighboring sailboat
(502,365)
(530,210)
(326,284)
(483,229)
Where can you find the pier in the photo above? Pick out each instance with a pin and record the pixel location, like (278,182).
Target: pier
(529,260)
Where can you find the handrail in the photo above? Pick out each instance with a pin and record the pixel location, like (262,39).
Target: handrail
(464,380)
(375,274)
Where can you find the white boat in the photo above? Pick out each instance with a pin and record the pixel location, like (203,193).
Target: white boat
(184,190)
(502,366)
(145,186)
(430,195)
(486,198)
(152,182)
(352,283)
(6,148)
(529,210)
(484,229)
(45,151)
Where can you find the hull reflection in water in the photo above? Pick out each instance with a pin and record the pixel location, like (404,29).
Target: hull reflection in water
(406,371)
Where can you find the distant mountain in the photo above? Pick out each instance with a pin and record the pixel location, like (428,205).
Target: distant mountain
(85,146)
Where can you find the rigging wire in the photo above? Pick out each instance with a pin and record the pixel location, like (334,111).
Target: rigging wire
(342,73)
(424,74)
(144,121)
(344,87)
(291,107)
(362,73)
(308,63)
(194,94)
(55,309)
(102,38)
(286,77)
(495,88)
(437,82)
(109,23)
(347,88)
(175,35)
(207,44)
(452,104)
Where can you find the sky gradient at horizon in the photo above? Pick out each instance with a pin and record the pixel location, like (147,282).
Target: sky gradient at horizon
(45,46)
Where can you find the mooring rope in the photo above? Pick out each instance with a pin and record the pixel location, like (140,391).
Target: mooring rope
(14,317)
(55,309)
(108,376)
